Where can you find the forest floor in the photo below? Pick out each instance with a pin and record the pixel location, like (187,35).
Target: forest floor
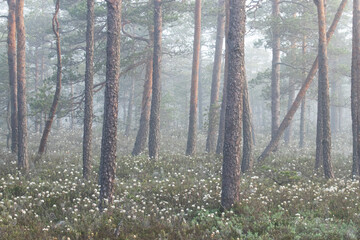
(177,197)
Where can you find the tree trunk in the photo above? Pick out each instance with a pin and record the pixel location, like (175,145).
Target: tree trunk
(49,121)
(215,85)
(36,86)
(220,140)
(23,161)
(303,102)
(8,123)
(12,74)
(130,107)
(247,158)
(275,70)
(355,87)
(154,125)
(324,98)
(233,117)
(71,106)
(89,82)
(191,142)
(143,131)
(201,96)
(109,132)
(289,116)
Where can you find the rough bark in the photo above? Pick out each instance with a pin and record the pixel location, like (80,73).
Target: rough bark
(191,141)
(50,119)
(290,114)
(233,117)
(23,161)
(143,131)
(130,107)
(275,70)
(220,140)
(355,86)
(11,39)
(247,158)
(324,98)
(89,82)
(291,96)
(154,125)
(215,84)
(109,132)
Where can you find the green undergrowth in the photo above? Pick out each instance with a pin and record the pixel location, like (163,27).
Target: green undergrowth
(178,197)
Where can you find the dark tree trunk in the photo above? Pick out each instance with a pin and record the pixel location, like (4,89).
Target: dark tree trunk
(234,104)
(12,74)
(275,70)
(130,107)
(154,125)
(143,131)
(109,132)
(324,97)
(355,87)
(89,81)
(191,142)
(215,85)
(289,116)
(247,158)
(220,140)
(50,119)
(23,161)
(8,123)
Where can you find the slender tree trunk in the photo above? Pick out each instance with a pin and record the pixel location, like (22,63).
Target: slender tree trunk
(8,123)
(303,102)
(12,73)
(36,86)
(275,70)
(324,98)
(355,87)
(201,96)
(220,140)
(233,117)
(109,133)
(215,85)
(191,142)
(50,119)
(89,81)
(143,131)
(154,125)
(289,116)
(23,161)
(130,107)
(247,158)
(71,106)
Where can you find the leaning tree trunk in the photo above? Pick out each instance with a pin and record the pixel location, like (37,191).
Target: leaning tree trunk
(324,98)
(215,85)
(191,142)
(89,81)
(143,131)
(23,161)
(49,121)
(109,132)
(11,39)
(220,140)
(247,158)
(289,116)
(154,125)
(275,70)
(355,86)
(233,117)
